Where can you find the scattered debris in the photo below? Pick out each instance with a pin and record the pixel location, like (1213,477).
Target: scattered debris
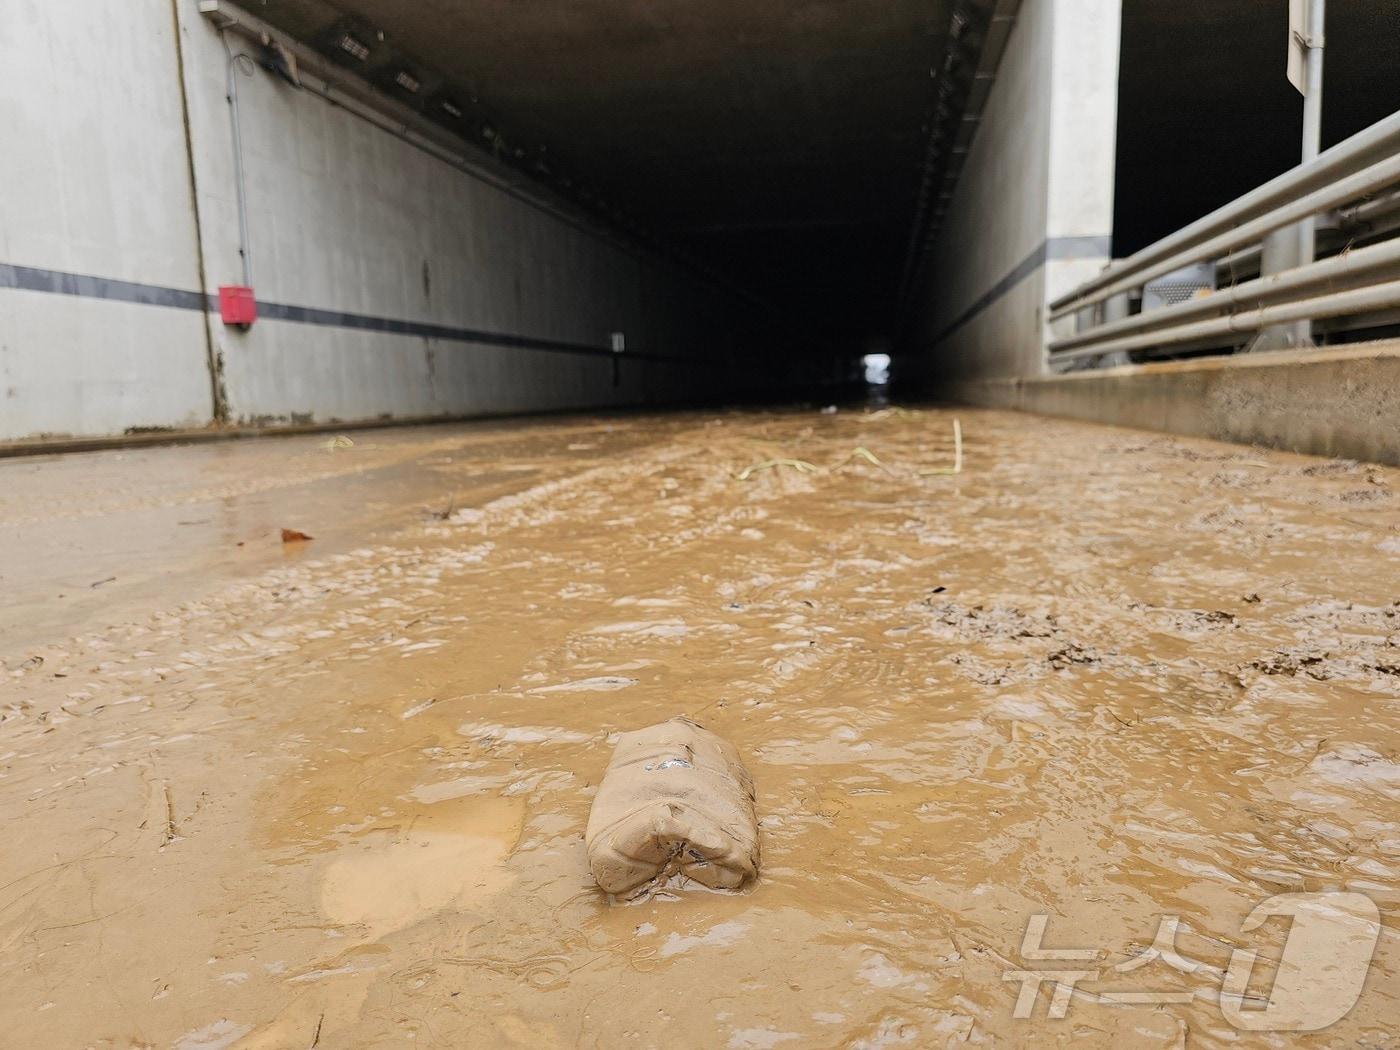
(799,465)
(446,513)
(99,583)
(1071,654)
(957,455)
(861,452)
(1332,466)
(1363,496)
(294,536)
(1290,664)
(894,412)
(987,622)
(172,832)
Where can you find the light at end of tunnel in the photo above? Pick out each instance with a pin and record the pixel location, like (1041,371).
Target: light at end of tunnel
(877,369)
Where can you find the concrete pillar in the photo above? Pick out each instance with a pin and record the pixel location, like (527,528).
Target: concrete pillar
(1082,77)
(1032,214)
(1283,250)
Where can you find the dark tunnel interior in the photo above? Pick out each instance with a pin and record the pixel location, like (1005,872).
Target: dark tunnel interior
(785,148)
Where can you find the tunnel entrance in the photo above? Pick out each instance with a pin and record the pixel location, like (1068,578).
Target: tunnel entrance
(785,148)
(390,210)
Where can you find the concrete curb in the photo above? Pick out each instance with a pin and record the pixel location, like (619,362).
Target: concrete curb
(1340,401)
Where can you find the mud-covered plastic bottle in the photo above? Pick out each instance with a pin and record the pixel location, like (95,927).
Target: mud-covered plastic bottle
(675,800)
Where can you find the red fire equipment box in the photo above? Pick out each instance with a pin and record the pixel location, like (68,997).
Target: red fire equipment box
(237,305)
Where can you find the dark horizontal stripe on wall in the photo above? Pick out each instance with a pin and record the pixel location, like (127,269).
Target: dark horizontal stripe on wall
(392,326)
(32,279)
(1052,248)
(56,282)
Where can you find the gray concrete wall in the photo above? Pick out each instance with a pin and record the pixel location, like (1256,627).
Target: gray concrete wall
(1336,402)
(1033,210)
(95,182)
(390,282)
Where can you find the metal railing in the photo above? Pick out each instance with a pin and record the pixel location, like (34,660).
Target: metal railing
(1354,184)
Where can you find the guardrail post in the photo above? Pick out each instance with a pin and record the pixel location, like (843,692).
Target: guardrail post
(1297,245)
(1283,250)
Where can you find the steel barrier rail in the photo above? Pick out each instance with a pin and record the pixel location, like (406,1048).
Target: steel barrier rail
(1368,180)
(1357,181)
(1335,304)
(1381,139)
(1374,217)
(1344,269)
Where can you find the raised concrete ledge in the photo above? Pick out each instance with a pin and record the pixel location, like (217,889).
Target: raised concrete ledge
(1342,401)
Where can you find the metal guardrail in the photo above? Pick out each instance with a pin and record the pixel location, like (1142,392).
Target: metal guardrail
(1355,180)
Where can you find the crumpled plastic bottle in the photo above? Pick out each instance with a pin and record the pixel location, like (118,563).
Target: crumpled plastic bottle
(675,800)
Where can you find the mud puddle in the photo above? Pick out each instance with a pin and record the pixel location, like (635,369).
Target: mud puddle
(338,799)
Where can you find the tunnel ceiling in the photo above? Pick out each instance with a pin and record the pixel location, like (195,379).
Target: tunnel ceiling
(781,140)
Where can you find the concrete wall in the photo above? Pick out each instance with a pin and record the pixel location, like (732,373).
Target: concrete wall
(390,282)
(1335,402)
(1032,213)
(95,182)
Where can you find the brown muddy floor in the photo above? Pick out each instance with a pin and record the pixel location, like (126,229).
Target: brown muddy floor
(332,793)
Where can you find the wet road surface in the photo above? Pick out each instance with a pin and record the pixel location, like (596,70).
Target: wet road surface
(332,793)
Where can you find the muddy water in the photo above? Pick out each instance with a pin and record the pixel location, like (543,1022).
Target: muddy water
(334,795)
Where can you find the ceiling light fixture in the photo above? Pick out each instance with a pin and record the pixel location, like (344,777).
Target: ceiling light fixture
(353,47)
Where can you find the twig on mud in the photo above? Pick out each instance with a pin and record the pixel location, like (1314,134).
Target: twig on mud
(894,412)
(861,452)
(171,832)
(444,515)
(957,455)
(799,465)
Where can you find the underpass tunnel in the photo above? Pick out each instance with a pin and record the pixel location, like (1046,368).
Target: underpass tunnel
(292,213)
(404,404)
(779,148)
(356,210)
